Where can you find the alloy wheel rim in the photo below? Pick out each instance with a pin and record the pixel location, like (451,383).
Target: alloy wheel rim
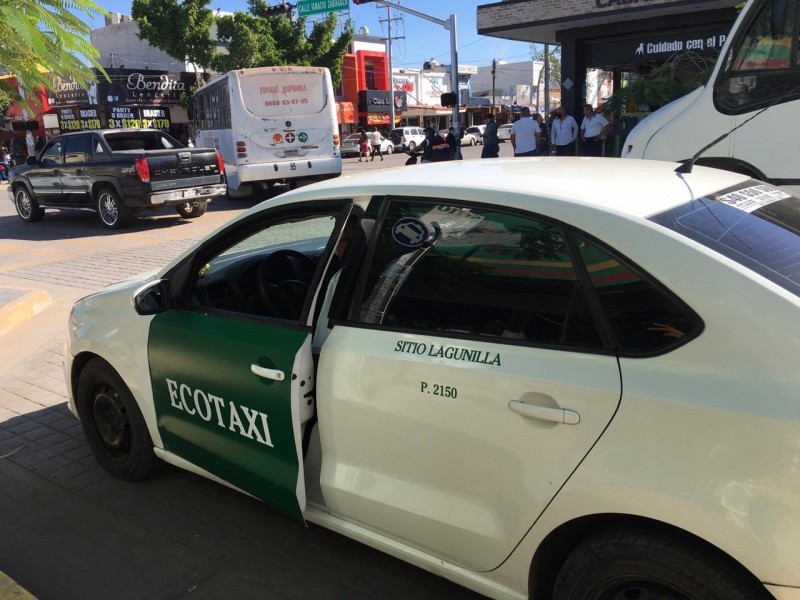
(24,204)
(108,209)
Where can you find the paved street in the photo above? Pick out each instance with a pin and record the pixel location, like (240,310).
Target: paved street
(68,529)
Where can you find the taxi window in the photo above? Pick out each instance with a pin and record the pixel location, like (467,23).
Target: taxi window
(755,224)
(266,273)
(475,272)
(644,317)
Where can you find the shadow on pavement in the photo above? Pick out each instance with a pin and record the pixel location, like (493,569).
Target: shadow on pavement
(83,223)
(70,530)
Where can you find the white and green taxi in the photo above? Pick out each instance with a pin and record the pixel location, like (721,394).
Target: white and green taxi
(555,378)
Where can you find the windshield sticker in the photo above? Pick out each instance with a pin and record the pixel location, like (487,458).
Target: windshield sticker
(453,221)
(410,232)
(752,198)
(449,352)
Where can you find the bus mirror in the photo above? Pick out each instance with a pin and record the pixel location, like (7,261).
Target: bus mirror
(778,22)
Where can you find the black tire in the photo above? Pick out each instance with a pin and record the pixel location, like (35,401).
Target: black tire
(27,208)
(113,424)
(112,212)
(389,149)
(412,146)
(647,566)
(192,210)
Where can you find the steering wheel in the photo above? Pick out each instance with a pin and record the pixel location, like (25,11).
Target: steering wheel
(283,279)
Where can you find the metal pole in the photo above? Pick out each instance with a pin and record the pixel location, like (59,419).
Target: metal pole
(391,73)
(546,80)
(453,27)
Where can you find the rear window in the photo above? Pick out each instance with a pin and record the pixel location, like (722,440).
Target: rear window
(755,224)
(283,94)
(136,141)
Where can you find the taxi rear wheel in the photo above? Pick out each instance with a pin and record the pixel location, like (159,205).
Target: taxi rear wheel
(646,566)
(113,424)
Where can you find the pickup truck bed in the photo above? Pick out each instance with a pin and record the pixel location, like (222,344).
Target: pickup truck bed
(117,173)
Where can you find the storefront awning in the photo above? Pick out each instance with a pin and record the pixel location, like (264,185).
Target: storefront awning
(345,113)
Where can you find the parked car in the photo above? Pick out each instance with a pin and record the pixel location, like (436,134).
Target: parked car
(476,131)
(560,378)
(407,138)
(118,173)
(504,132)
(350,145)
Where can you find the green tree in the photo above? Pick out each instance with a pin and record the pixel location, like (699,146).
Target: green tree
(39,37)
(679,75)
(254,40)
(250,38)
(180,29)
(553,55)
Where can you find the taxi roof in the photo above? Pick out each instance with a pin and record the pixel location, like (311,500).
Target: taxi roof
(635,187)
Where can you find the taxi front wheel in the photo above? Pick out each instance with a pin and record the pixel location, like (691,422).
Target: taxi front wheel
(648,566)
(113,424)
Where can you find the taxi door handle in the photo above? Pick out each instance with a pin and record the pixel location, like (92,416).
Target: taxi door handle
(273,374)
(545,413)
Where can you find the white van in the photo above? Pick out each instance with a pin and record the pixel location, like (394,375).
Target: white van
(742,120)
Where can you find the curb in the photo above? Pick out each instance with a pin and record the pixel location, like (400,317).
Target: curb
(11,590)
(22,306)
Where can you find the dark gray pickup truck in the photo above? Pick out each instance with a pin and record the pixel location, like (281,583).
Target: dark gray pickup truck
(117,173)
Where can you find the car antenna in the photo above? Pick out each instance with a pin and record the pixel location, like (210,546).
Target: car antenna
(686,166)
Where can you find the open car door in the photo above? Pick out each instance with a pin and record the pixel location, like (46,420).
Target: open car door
(231,365)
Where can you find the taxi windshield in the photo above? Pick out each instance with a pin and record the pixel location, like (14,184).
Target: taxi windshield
(755,224)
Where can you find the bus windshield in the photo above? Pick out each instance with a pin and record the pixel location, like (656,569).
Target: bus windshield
(283,94)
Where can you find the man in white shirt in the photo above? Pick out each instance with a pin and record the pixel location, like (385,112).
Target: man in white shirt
(376,138)
(525,135)
(593,127)
(563,133)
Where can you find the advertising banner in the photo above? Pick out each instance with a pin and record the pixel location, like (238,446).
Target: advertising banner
(123,117)
(129,86)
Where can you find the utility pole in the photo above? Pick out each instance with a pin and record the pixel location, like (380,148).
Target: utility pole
(546,79)
(451,25)
(389,40)
(494,80)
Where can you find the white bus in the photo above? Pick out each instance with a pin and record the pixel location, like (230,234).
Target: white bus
(758,71)
(270,124)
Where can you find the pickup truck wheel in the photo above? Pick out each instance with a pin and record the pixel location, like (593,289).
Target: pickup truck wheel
(27,208)
(192,210)
(113,214)
(113,424)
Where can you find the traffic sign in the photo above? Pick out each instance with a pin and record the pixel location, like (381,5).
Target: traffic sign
(313,7)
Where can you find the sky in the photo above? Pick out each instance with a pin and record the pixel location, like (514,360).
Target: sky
(420,40)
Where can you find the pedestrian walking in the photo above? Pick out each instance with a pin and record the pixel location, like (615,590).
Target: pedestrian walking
(376,138)
(563,133)
(491,145)
(363,145)
(525,135)
(5,165)
(544,144)
(593,129)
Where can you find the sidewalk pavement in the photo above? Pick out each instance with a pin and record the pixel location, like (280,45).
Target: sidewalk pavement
(18,305)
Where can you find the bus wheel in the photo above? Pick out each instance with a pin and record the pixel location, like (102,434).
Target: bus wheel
(192,210)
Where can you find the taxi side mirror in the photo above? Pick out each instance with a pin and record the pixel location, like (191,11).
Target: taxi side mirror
(152,298)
